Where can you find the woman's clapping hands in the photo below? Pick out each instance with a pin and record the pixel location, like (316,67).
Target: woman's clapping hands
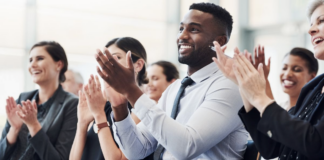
(241,70)
(94,96)
(11,109)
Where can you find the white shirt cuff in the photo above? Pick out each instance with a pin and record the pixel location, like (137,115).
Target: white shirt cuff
(123,125)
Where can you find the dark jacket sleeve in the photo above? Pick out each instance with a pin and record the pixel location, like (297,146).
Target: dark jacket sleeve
(60,148)
(267,147)
(291,132)
(5,149)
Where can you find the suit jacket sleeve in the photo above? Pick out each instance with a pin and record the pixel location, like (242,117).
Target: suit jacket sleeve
(291,132)
(60,149)
(267,147)
(6,149)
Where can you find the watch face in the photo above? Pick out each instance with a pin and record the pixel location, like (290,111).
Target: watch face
(95,128)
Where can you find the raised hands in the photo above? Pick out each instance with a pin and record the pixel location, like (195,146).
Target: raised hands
(251,82)
(13,119)
(121,78)
(17,115)
(28,114)
(259,57)
(116,99)
(84,114)
(95,99)
(223,62)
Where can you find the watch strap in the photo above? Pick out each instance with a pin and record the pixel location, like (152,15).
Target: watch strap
(103,125)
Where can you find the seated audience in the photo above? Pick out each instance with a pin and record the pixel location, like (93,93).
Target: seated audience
(98,141)
(43,124)
(297,134)
(73,82)
(298,68)
(160,74)
(198,122)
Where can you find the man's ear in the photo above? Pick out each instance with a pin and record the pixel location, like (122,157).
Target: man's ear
(222,40)
(138,65)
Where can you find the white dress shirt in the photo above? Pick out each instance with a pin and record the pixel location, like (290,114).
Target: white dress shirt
(207,125)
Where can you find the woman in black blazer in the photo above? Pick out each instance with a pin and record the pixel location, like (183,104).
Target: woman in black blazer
(297,134)
(43,124)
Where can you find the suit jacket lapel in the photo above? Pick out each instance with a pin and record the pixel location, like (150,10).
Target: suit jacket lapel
(307,92)
(54,109)
(27,96)
(320,103)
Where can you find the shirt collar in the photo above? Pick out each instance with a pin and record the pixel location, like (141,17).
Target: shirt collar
(204,73)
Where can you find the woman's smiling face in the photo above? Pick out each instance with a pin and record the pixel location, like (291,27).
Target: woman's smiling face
(294,74)
(317,31)
(42,67)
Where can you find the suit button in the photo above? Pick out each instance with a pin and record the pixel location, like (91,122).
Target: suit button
(269,134)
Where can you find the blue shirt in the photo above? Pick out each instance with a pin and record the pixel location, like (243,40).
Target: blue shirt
(207,125)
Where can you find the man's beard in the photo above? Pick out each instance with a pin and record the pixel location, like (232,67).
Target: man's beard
(195,56)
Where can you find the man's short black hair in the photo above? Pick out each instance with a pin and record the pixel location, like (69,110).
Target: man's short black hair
(220,14)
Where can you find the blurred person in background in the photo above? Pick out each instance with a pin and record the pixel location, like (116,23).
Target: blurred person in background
(299,66)
(43,124)
(297,134)
(160,74)
(73,82)
(95,140)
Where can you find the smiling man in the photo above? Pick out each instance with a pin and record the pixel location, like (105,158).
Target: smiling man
(202,122)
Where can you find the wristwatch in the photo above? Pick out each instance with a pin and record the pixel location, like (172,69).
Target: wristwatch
(97,127)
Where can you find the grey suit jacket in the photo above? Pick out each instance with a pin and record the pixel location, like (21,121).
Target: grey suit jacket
(54,140)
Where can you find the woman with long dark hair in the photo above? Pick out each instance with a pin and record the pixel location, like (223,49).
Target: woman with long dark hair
(43,124)
(98,142)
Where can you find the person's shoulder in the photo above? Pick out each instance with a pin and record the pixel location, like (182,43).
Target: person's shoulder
(220,81)
(27,95)
(70,96)
(68,99)
(221,85)
(173,86)
(318,80)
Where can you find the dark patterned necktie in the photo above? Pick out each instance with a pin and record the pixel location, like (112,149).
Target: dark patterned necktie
(184,83)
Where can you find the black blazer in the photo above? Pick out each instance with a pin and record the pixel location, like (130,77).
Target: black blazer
(279,132)
(54,140)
